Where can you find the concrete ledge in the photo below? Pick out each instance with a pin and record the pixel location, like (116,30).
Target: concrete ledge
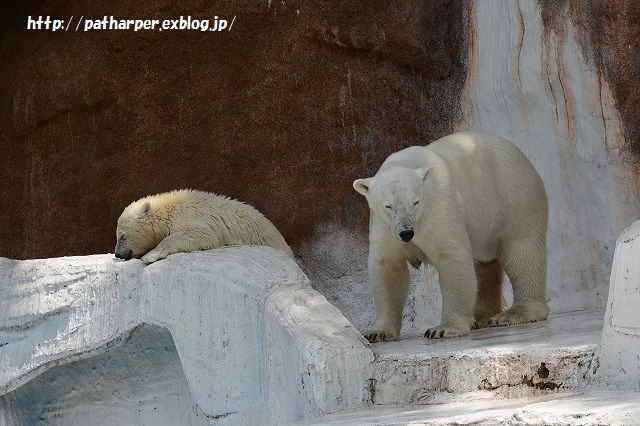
(254,340)
(492,363)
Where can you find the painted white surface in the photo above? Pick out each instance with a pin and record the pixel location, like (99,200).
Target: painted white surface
(533,86)
(256,343)
(616,365)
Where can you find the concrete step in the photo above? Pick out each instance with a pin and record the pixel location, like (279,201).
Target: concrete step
(524,361)
(492,376)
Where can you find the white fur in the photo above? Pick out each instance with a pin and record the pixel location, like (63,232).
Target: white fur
(477,207)
(187,220)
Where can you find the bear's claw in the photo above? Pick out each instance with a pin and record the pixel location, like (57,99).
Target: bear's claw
(431,334)
(443,332)
(374,336)
(151,257)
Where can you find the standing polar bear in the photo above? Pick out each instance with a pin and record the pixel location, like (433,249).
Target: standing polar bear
(472,205)
(187,220)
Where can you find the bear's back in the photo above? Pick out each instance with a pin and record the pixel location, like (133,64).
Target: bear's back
(233,221)
(488,158)
(493,175)
(479,146)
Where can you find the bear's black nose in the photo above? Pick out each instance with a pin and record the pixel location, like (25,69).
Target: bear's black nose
(407,235)
(126,255)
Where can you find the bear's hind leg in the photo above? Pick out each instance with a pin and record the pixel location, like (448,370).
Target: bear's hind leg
(489,299)
(525,262)
(390,280)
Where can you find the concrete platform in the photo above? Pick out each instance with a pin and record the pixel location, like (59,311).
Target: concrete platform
(492,363)
(493,376)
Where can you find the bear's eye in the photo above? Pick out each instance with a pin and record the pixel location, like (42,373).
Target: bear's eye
(387,206)
(416,203)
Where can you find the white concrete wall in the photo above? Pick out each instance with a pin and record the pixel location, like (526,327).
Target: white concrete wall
(616,364)
(256,344)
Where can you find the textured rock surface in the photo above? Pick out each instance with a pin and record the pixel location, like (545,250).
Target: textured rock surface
(283,112)
(609,35)
(255,343)
(488,364)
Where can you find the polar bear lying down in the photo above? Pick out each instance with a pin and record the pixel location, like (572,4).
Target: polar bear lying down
(472,205)
(187,220)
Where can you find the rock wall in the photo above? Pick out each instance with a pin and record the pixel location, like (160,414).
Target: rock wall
(609,37)
(284,112)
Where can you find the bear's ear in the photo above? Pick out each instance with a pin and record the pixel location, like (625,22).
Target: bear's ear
(423,172)
(143,211)
(362,186)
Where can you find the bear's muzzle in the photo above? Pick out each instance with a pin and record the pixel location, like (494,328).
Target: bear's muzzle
(122,250)
(124,254)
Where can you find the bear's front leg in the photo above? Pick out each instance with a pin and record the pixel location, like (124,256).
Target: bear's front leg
(390,280)
(179,242)
(459,290)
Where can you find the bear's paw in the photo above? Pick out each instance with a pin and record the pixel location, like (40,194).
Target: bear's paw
(520,313)
(374,336)
(441,331)
(152,256)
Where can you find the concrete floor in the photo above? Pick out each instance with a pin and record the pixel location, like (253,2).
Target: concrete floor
(610,408)
(570,330)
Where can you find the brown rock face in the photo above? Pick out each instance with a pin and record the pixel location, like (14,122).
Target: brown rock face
(610,40)
(283,111)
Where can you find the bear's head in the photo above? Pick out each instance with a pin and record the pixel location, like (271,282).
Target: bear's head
(394,194)
(135,234)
